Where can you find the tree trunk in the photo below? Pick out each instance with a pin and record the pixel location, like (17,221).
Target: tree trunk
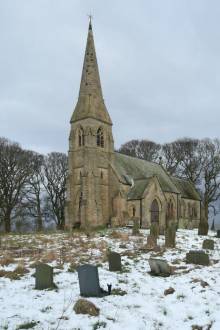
(203,224)
(7,222)
(39,216)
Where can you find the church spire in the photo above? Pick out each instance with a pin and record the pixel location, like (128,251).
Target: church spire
(90,102)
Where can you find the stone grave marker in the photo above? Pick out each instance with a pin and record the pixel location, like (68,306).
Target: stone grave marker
(151,242)
(170,236)
(159,267)
(136,226)
(114,260)
(208,244)
(218,234)
(44,277)
(197,258)
(154,230)
(89,281)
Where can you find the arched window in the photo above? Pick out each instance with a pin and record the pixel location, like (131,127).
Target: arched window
(81,137)
(133,211)
(154,212)
(80,200)
(189,211)
(170,210)
(100,138)
(183,211)
(194,211)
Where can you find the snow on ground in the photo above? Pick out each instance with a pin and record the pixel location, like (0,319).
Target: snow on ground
(144,306)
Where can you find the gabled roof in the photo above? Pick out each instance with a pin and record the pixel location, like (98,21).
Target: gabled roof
(138,188)
(139,170)
(186,188)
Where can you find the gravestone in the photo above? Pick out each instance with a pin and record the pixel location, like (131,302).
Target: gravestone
(218,234)
(208,244)
(44,277)
(159,267)
(154,230)
(114,260)
(136,227)
(89,281)
(170,236)
(197,258)
(151,243)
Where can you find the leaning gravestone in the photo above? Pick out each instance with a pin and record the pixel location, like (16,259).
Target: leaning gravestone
(154,230)
(159,267)
(208,244)
(197,258)
(114,260)
(136,227)
(151,242)
(170,236)
(89,281)
(44,277)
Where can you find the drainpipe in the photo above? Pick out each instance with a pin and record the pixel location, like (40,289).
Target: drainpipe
(140,213)
(178,210)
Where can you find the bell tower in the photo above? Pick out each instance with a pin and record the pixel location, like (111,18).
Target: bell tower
(91,150)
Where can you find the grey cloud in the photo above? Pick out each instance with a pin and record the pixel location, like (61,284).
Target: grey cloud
(158,60)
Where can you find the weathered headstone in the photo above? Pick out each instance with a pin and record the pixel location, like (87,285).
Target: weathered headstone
(170,236)
(159,267)
(44,277)
(197,258)
(151,243)
(136,227)
(89,281)
(154,230)
(114,260)
(208,244)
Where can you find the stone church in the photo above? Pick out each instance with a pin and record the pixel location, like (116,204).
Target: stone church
(105,187)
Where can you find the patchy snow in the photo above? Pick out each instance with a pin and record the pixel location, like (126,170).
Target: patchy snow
(143,307)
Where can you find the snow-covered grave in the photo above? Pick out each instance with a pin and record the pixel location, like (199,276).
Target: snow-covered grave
(138,300)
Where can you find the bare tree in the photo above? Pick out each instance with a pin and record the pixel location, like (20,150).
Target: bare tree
(210,172)
(190,154)
(183,158)
(54,180)
(143,149)
(34,191)
(170,158)
(15,170)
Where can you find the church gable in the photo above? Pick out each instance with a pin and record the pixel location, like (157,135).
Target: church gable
(137,169)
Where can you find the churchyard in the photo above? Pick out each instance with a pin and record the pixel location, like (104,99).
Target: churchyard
(34,296)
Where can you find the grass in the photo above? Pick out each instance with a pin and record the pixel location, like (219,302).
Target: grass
(15,274)
(6,260)
(118,292)
(99,325)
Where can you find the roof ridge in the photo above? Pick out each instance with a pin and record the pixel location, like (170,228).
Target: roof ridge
(147,161)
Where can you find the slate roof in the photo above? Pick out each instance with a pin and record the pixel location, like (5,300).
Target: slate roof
(186,188)
(138,188)
(137,171)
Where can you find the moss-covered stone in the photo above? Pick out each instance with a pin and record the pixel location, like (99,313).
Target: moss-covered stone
(84,306)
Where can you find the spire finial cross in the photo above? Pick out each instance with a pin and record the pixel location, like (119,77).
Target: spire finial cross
(90,18)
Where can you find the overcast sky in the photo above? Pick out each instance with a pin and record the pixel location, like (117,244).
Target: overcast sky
(159,63)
